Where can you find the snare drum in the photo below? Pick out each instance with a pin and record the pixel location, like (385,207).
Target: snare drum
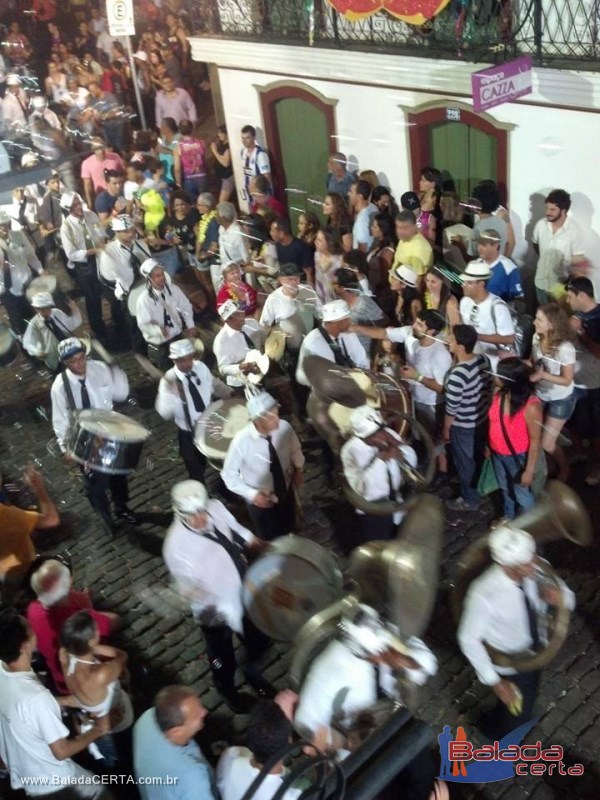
(217,426)
(106,441)
(295,579)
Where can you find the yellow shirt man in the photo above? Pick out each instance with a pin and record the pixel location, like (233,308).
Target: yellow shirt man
(415,253)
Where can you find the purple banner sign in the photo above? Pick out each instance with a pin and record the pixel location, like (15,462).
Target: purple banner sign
(497,85)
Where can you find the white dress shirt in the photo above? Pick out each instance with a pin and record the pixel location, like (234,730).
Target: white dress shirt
(73,237)
(279,306)
(491,316)
(558,249)
(247,467)
(231,348)
(105,385)
(114,265)
(18,254)
(150,313)
(495,613)
(432,361)
(315,344)
(39,341)
(235,774)
(372,477)
(232,245)
(343,684)
(168,400)
(202,569)
(14,109)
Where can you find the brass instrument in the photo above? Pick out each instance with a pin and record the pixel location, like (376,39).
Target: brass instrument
(560,514)
(398,579)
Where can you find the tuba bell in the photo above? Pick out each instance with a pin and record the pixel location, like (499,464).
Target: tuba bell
(560,514)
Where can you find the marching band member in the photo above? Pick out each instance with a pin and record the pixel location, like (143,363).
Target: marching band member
(503,609)
(205,550)
(348,677)
(90,384)
(234,341)
(183,394)
(263,465)
(290,299)
(163,311)
(333,341)
(371,461)
(17,261)
(48,327)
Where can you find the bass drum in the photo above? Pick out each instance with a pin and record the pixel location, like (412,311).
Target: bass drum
(295,579)
(9,348)
(217,426)
(105,441)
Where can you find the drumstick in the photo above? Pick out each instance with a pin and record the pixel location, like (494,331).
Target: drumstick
(102,352)
(149,367)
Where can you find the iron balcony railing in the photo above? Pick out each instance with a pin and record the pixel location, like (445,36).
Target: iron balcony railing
(550,30)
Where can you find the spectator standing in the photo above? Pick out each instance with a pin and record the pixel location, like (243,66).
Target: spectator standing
(338,219)
(255,161)
(515,420)
(189,161)
(34,742)
(15,103)
(467,388)
(557,240)
(164,748)
(364,211)
(363,309)
(553,357)
(174,102)
(413,249)
(93,169)
(437,296)
(262,201)
(585,323)
(505,280)
(290,250)
(338,180)
(223,166)
(328,260)
(487,202)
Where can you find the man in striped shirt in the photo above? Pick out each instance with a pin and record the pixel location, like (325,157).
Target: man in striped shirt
(468,392)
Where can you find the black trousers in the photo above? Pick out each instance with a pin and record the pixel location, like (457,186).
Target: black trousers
(97,485)
(195,462)
(87,280)
(500,721)
(372,527)
(269,523)
(221,653)
(18,311)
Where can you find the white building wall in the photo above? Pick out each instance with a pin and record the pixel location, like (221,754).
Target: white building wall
(549,147)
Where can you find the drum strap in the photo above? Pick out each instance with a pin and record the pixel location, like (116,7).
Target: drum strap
(234,548)
(68,391)
(186,408)
(342,359)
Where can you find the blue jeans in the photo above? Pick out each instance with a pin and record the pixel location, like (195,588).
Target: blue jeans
(467,446)
(508,476)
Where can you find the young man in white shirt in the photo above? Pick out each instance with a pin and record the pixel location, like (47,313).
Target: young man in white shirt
(264,464)
(505,608)
(34,743)
(255,161)
(487,313)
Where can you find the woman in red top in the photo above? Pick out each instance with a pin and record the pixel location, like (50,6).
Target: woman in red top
(235,288)
(515,435)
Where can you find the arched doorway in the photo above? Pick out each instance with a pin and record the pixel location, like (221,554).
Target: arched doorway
(300,132)
(466,146)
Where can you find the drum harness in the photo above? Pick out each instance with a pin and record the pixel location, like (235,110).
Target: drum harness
(234,549)
(342,359)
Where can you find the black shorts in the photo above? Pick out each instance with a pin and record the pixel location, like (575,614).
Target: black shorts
(586,417)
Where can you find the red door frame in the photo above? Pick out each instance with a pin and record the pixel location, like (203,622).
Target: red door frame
(268,100)
(420,154)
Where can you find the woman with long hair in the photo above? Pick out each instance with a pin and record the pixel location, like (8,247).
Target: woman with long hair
(383,198)
(515,435)
(553,357)
(308,226)
(438,296)
(380,259)
(328,259)
(219,147)
(430,191)
(338,219)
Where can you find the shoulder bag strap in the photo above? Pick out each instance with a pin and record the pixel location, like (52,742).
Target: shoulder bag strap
(68,391)
(505,434)
(186,408)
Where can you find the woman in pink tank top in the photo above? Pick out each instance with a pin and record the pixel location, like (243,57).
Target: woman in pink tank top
(515,430)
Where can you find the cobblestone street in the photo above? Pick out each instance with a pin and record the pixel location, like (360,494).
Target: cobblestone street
(126,575)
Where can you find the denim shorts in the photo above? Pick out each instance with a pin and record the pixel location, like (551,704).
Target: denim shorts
(560,409)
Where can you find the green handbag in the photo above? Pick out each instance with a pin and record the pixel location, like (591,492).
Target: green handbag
(487,482)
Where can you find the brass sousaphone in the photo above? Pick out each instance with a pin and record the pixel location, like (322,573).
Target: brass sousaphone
(560,514)
(399,579)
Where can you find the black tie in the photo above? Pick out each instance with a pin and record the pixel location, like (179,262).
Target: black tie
(532,619)
(199,404)
(279,485)
(167,321)
(234,549)
(135,264)
(52,326)
(392,494)
(249,341)
(85,398)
